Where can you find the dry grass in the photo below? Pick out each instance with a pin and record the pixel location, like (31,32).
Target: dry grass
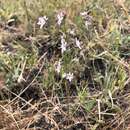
(34,96)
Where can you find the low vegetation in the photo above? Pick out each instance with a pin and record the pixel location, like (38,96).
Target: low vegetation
(65,65)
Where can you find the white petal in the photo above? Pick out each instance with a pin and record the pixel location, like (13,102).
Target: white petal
(78,44)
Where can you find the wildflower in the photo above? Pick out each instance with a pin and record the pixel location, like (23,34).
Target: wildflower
(78,43)
(69,76)
(84,13)
(71,31)
(42,21)
(87,18)
(63,44)
(60,16)
(87,23)
(58,66)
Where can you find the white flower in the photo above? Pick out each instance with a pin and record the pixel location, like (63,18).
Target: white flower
(87,23)
(58,66)
(84,13)
(71,31)
(63,44)
(42,21)
(69,76)
(60,16)
(78,43)
(87,18)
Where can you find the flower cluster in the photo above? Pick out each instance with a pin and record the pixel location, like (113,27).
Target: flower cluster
(87,18)
(60,17)
(69,76)
(42,20)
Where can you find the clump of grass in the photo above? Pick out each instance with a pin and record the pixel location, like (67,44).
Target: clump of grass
(70,67)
